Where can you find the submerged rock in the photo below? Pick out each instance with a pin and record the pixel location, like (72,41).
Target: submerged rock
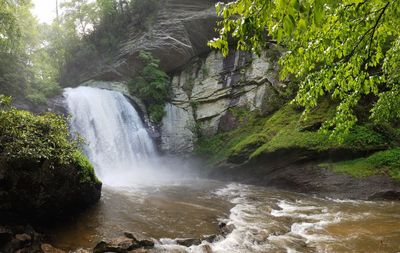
(226,228)
(211,238)
(206,248)
(121,244)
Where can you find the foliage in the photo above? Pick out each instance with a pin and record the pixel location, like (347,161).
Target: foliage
(347,49)
(97,30)
(384,162)
(25,136)
(151,85)
(286,129)
(29,66)
(157,112)
(9,32)
(80,15)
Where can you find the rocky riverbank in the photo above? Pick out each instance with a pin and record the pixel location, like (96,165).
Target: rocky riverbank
(310,178)
(24,239)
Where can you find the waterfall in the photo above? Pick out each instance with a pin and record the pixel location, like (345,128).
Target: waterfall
(116,140)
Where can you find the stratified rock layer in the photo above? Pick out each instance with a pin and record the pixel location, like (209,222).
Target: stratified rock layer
(176,31)
(206,90)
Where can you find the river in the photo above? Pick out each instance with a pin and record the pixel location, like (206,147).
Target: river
(144,194)
(265,220)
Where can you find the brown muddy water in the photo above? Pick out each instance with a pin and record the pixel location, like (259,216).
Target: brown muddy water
(265,220)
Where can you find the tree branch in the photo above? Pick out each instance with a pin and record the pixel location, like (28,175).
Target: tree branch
(376,26)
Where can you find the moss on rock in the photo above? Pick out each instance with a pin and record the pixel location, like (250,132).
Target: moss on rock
(286,129)
(86,173)
(384,162)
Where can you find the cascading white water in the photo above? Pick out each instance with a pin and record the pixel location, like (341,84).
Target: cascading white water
(117,142)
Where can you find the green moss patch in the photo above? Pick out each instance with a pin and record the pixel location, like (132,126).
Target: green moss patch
(384,162)
(287,129)
(86,173)
(221,146)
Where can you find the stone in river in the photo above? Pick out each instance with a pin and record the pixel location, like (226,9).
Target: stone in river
(187,242)
(47,248)
(119,245)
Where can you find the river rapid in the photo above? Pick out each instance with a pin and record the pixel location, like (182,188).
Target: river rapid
(265,220)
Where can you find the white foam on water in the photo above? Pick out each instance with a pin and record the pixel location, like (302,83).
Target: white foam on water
(249,233)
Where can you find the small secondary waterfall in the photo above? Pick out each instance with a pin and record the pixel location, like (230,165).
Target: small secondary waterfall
(117,143)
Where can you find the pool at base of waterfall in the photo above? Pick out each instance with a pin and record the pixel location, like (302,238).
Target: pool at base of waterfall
(264,220)
(148,195)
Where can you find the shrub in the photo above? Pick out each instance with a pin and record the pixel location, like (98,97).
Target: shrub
(37,98)
(151,85)
(31,137)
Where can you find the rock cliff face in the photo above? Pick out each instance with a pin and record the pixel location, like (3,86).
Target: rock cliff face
(176,31)
(180,32)
(207,89)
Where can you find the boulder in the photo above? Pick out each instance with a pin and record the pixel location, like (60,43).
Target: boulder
(120,245)
(143,241)
(187,242)
(226,228)
(37,191)
(21,239)
(5,235)
(24,239)
(47,248)
(127,243)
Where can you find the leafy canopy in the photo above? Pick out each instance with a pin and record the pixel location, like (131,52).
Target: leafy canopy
(29,60)
(346,49)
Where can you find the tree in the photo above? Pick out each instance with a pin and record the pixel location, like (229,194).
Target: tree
(83,15)
(9,32)
(30,53)
(345,49)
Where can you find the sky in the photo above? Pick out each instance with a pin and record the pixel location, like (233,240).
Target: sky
(45,10)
